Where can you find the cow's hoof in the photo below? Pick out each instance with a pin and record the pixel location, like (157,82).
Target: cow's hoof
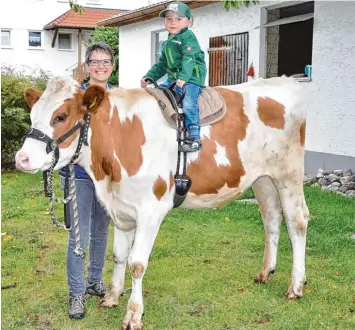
(133,317)
(131,325)
(109,300)
(263,277)
(260,279)
(292,294)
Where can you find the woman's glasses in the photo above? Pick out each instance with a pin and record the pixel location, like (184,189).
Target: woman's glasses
(98,62)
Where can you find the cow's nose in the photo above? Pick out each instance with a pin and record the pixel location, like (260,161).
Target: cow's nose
(22,160)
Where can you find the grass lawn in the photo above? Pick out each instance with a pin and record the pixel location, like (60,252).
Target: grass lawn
(201,271)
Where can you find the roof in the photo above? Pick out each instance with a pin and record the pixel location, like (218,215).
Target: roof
(86,20)
(146,13)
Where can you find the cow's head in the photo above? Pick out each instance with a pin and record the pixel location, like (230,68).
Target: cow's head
(54,112)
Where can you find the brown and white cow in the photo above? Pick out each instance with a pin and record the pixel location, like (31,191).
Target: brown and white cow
(132,157)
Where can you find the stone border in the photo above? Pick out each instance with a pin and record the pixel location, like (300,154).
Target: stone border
(339,181)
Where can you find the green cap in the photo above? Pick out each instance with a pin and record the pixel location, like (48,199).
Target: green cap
(179,8)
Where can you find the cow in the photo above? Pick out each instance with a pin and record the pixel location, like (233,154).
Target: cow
(131,156)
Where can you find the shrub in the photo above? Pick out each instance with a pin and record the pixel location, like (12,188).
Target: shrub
(15,115)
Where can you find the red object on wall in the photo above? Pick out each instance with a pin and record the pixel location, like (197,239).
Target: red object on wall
(251,71)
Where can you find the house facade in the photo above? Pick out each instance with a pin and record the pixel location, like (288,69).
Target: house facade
(36,34)
(314,41)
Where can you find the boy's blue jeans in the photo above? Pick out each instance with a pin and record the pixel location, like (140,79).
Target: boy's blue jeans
(93,223)
(190,107)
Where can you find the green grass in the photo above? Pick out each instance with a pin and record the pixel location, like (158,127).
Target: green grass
(201,271)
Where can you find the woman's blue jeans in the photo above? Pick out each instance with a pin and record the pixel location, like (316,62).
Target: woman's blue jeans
(190,107)
(93,224)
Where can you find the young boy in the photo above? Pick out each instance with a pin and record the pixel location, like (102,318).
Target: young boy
(184,62)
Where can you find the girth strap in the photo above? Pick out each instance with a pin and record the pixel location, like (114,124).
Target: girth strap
(182,181)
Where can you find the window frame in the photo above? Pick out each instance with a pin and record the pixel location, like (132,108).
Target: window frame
(28,40)
(155,40)
(71,41)
(263,51)
(10,43)
(154,55)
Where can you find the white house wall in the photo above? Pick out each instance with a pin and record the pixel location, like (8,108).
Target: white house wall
(330,96)
(331,93)
(210,21)
(20,16)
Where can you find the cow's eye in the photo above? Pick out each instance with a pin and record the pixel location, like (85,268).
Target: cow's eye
(60,118)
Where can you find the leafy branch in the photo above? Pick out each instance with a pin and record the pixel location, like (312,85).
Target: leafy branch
(227,4)
(75,6)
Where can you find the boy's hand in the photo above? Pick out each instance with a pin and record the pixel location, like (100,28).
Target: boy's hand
(143,83)
(180,83)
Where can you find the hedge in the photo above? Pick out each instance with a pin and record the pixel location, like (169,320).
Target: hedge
(15,113)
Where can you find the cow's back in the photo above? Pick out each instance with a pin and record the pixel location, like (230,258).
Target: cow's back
(261,134)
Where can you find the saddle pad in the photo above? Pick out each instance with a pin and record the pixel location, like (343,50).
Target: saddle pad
(210,102)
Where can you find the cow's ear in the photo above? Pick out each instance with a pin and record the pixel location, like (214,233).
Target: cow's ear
(31,96)
(93,97)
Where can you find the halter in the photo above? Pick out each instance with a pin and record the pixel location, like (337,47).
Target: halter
(52,145)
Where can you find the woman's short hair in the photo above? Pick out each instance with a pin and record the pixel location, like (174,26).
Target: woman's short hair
(99,47)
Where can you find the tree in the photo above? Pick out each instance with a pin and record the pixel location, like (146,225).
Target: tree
(75,6)
(237,3)
(111,37)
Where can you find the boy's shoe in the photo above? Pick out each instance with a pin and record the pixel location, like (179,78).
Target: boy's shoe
(191,145)
(98,288)
(77,307)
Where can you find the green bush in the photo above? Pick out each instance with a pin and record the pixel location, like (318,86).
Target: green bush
(113,79)
(15,113)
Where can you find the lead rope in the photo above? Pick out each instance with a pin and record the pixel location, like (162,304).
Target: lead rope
(72,197)
(72,192)
(72,188)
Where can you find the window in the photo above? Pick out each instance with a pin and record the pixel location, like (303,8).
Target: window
(228,58)
(160,38)
(34,39)
(5,37)
(64,41)
(289,40)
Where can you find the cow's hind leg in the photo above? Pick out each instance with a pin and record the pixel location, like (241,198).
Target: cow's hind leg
(148,225)
(290,188)
(121,247)
(270,209)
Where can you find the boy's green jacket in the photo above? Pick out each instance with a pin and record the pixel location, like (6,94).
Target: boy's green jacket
(181,58)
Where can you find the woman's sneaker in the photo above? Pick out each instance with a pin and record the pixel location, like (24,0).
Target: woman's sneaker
(77,307)
(190,145)
(98,288)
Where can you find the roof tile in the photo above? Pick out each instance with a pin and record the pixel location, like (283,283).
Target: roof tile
(87,19)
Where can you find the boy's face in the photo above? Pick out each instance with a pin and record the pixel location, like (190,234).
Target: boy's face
(175,23)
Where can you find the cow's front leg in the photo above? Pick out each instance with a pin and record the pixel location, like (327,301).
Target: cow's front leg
(146,232)
(122,244)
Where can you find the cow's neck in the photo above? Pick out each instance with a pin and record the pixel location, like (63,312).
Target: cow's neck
(101,84)
(115,145)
